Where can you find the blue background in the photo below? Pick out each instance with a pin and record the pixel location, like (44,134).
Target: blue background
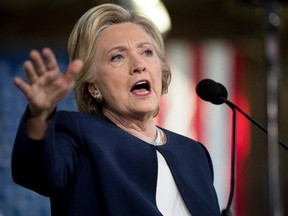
(14,199)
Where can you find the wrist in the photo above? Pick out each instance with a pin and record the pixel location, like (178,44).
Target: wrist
(40,115)
(38,123)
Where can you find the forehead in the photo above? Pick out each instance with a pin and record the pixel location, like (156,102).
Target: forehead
(123,33)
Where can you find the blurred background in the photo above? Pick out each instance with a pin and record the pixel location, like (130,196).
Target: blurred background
(223,40)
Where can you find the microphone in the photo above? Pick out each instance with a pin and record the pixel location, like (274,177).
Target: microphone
(216,93)
(212,91)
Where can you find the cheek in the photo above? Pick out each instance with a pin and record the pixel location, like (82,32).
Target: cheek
(113,84)
(158,82)
(159,75)
(109,76)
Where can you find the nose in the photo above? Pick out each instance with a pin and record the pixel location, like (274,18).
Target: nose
(137,64)
(139,69)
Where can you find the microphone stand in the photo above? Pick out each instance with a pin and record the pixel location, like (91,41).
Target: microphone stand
(227,211)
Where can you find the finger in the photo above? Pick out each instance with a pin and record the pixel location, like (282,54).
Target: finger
(72,70)
(30,72)
(23,86)
(38,63)
(50,59)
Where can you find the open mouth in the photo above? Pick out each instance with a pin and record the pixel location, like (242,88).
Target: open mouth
(141,88)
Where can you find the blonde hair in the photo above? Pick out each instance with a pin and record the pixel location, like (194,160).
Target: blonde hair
(81,45)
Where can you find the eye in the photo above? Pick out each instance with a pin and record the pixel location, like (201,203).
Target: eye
(148,52)
(116,58)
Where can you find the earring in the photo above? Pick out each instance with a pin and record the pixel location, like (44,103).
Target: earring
(98,97)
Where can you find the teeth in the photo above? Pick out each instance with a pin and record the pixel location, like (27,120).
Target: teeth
(142,82)
(142,93)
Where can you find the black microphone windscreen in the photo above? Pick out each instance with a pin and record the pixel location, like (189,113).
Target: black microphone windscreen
(211,91)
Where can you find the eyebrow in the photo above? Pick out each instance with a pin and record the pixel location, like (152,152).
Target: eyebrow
(124,47)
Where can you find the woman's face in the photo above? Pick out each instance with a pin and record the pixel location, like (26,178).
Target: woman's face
(128,71)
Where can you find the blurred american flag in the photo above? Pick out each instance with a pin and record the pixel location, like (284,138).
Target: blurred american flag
(183,112)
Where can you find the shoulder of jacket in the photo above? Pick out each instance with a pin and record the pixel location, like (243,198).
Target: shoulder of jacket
(82,120)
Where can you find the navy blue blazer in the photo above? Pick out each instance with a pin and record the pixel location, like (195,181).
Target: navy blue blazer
(88,166)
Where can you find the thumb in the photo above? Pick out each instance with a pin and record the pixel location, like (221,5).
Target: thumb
(73,69)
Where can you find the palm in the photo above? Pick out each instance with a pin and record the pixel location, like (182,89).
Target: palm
(47,85)
(48,90)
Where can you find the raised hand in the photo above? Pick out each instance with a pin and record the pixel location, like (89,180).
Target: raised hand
(47,85)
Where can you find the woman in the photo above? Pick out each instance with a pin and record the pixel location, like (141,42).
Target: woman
(109,158)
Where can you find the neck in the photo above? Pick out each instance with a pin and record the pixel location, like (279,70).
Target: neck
(143,129)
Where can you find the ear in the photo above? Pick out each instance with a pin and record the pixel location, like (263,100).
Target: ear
(92,89)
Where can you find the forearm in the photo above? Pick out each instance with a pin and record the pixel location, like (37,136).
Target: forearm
(46,164)
(31,158)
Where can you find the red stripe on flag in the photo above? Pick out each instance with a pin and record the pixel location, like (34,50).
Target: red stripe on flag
(198,70)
